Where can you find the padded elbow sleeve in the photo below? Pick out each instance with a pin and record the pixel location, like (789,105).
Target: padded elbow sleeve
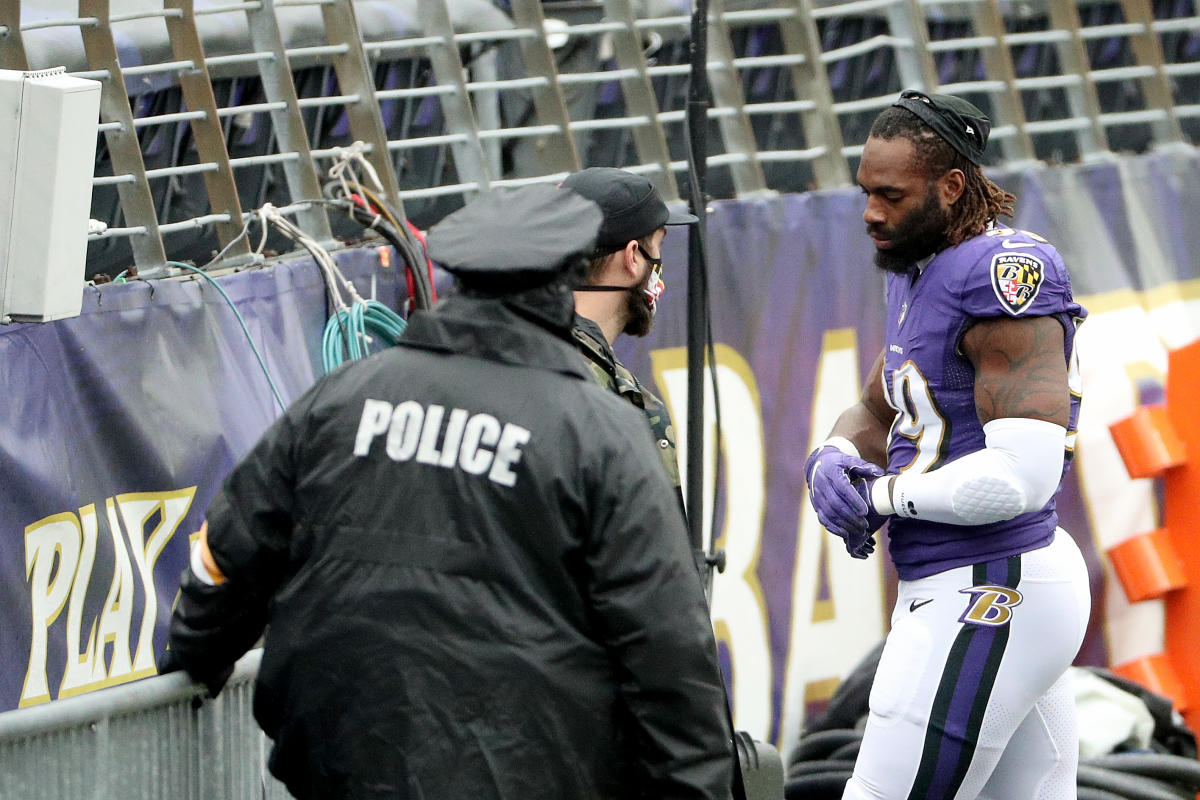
(1017,472)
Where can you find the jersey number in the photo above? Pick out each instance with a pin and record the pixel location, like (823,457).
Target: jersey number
(917,417)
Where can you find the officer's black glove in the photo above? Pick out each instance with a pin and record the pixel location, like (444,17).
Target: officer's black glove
(168,662)
(211,627)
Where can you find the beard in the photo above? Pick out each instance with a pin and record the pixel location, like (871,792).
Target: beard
(638,316)
(918,235)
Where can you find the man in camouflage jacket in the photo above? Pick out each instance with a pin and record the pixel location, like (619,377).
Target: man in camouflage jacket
(622,287)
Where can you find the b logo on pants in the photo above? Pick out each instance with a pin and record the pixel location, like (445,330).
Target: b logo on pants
(990,605)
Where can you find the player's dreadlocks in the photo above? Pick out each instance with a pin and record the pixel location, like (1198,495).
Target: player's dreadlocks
(982,201)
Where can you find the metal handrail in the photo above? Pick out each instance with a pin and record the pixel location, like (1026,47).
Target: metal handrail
(144,695)
(478,98)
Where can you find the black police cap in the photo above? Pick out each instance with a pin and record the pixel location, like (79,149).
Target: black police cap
(632,207)
(961,124)
(518,237)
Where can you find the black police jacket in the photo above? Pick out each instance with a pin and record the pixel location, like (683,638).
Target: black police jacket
(475,580)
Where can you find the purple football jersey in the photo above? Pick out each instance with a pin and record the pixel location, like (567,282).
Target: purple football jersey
(931,384)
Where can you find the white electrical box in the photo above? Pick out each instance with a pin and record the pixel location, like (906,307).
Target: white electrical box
(47,156)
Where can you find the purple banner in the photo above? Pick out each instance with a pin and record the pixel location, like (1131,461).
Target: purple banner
(116,427)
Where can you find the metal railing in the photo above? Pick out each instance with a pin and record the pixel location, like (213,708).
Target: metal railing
(204,127)
(155,738)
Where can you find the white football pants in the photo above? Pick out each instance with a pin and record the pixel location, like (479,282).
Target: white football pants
(971,698)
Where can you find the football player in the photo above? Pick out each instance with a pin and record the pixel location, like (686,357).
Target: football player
(960,440)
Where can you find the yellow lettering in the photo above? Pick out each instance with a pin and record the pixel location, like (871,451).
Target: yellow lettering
(836,621)
(990,605)
(117,614)
(136,511)
(738,609)
(86,667)
(60,553)
(51,555)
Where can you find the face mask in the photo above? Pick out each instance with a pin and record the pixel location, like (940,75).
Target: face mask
(655,286)
(652,288)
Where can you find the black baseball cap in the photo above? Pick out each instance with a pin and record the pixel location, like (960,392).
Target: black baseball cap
(959,122)
(515,238)
(632,207)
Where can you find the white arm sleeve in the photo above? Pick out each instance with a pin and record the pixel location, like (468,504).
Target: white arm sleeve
(1018,471)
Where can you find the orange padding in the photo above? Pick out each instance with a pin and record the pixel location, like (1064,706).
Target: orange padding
(1156,674)
(1147,565)
(1147,442)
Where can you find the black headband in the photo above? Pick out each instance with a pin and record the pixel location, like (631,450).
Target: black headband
(963,126)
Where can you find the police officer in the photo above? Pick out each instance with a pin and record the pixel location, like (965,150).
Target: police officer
(622,287)
(470,564)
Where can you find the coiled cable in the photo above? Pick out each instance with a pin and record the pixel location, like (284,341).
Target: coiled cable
(350,330)
(823,761)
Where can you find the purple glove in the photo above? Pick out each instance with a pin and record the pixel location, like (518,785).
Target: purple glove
(840,505)
(862,479)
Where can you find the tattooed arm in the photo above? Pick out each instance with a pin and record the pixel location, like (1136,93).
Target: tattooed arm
(1020,370)
(1023,402)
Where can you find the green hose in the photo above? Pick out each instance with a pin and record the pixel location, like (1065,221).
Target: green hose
(350,330)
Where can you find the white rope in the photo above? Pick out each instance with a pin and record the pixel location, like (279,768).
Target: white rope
(325,261)
(345,159)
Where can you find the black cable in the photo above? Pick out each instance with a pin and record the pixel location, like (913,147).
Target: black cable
(823,786)
(403,250)
(701,345)
(1161,766)
(1132,787)
(847,752)
(413,254)
(823,758)
(718,443)
(816,767)
(1092,793)
(813,779)
(391,226)
(817,746)
(419,267)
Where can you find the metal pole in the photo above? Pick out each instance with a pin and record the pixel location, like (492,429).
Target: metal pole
(697,311)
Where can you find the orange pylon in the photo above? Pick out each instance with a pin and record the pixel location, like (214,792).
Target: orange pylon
(1164,441)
